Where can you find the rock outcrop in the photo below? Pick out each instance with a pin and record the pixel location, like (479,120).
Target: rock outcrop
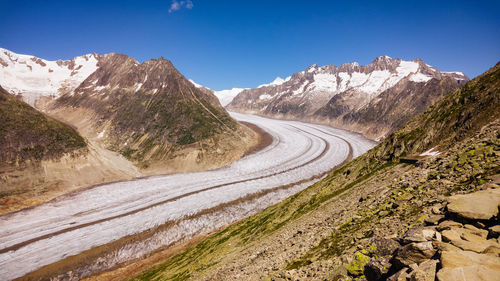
(456,249)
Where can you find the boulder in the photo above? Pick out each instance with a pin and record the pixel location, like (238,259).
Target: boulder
(399,276)
(493,251)
(426,271)
(467,239)
(480,205)
(383,246)
(466,273)
(477,231)
(376,268)
(357,266)
(433,220)
(454,259)
(448,224)
(419,234)
(495,231)
(414,253)
(442,246)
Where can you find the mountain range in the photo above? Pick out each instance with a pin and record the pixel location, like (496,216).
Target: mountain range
(373,99)
(136,119)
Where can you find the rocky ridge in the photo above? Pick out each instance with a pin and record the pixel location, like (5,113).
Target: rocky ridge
(373,99)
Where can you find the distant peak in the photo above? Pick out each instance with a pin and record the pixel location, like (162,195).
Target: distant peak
(382,59)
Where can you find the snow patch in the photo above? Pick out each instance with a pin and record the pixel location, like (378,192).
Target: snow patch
(101,134)
(278,81)
(195,84)
(325,81)
(406,67)
(300,90)
(430,152)
(419,77)
(226,96)
(357,79)
(375,81)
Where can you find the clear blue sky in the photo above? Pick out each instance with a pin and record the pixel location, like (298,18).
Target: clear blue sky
(225,44)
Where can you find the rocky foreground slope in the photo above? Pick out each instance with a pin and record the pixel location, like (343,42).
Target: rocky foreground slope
(373,99)
(330,230)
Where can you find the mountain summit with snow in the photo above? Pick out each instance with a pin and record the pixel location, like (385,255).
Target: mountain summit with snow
(224,96)
(32,77)
(352,96)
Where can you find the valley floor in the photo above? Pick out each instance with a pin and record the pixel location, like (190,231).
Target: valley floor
(99,228)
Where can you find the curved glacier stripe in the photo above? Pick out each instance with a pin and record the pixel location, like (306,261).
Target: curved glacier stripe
(33,238)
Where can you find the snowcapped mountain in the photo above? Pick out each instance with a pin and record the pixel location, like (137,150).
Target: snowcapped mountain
(336,94)
(224,96)
(32,77)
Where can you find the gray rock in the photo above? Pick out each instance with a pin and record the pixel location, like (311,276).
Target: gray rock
(384,246)
(376,268)
(399,276)
(419,234)
(433,220)
(414,253)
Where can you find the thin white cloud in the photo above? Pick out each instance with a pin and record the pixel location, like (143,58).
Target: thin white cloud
(177,5)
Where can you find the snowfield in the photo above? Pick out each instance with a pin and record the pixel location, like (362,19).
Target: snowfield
(299,155)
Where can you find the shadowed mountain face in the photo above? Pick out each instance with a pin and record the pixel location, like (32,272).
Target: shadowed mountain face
(26,135)
(374,99)
(145,109)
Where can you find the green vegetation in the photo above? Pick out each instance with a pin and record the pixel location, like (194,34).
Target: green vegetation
(148,126)
(26,134)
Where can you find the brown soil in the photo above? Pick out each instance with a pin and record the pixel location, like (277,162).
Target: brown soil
(265,139)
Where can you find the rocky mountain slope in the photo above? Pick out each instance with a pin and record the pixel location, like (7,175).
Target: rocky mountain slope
(362,212)
(41,157)
(149,112)
(28,135)
(138,119)
(373,99)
